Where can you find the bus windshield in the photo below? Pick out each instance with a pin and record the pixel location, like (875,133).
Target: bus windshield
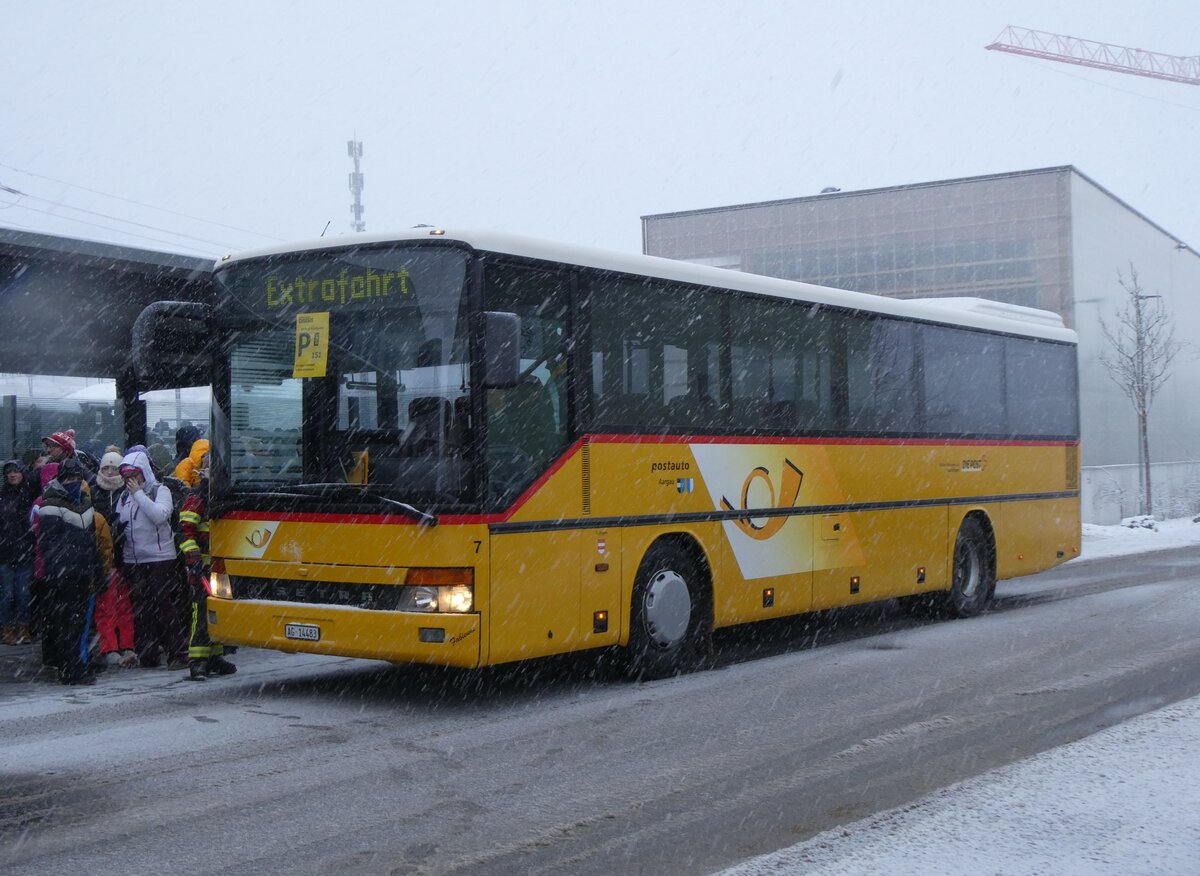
(391,411)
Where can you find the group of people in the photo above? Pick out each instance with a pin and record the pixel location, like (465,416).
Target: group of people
(111,554)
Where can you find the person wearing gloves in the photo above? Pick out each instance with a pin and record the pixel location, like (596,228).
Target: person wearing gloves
(205,657)
(149,555)
(76,552)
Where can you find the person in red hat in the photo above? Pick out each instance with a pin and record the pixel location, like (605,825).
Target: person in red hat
(61,446)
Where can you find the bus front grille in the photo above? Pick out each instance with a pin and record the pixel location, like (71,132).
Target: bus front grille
(377,597)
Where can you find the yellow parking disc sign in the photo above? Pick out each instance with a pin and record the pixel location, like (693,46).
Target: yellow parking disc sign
(312,344)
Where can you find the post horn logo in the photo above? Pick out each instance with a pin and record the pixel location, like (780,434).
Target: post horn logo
(259,538)
(788,493)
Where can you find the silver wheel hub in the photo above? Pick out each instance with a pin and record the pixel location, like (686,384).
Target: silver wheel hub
(667,608)
(970,572)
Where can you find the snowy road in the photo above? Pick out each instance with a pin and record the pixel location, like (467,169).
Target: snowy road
(314,765)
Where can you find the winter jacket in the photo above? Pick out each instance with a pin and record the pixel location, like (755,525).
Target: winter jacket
(145,517)
(188,469)
(106,493)
(73,540)
(16,536)
(193,520)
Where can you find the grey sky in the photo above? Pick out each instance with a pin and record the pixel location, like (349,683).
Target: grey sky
(561,120)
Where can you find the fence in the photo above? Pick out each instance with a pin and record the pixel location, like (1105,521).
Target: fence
(98,421)
(1110,492)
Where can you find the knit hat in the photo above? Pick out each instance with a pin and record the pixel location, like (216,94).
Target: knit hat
(111,458)
(65,440)
(13,465)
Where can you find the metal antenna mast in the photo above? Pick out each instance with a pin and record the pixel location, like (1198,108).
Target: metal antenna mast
(1102,56)
(354,150)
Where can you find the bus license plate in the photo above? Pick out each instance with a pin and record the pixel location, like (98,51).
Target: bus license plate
(307,632)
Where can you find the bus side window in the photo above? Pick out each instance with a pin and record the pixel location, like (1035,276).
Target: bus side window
(522,417)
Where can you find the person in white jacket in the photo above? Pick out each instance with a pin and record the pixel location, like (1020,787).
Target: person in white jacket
(144,516)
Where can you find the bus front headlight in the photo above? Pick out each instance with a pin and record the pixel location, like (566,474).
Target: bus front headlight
(459,599)
(218,585)
(438,590)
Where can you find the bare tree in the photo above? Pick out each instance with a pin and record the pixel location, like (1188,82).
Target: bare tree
(1143,345)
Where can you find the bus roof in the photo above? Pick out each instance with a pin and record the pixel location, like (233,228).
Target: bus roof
(972,312)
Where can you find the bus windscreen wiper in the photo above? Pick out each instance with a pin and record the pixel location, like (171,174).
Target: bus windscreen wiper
(422,517)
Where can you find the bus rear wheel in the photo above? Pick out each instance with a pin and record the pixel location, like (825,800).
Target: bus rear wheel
(974,574)
(669,618)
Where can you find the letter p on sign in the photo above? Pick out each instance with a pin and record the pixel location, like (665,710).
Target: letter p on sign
(312,344)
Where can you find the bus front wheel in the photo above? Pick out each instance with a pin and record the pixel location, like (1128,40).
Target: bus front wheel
(974,571)
(669,622)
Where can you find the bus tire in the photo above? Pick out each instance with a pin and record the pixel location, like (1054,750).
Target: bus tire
(669,620)
(973,577)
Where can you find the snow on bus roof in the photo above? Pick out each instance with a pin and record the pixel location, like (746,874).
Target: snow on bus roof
(971,312)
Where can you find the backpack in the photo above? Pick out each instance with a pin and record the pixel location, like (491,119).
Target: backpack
(179,493)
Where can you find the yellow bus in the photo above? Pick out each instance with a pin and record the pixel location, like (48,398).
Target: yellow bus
(470,449)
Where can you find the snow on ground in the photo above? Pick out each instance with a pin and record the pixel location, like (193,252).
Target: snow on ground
(1122,801)
(1118,541)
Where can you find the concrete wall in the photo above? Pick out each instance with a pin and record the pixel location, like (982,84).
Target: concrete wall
(1106,237)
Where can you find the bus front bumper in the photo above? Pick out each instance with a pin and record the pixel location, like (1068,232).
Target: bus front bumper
(397,636)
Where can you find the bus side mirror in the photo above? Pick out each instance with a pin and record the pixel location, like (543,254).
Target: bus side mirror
(170,345)
(500,345)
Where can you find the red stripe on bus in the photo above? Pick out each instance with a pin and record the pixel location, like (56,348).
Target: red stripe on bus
(769,439)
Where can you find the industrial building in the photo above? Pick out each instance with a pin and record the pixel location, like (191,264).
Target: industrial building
(1051,238)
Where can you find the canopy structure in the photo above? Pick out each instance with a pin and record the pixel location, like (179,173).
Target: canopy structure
(67,305)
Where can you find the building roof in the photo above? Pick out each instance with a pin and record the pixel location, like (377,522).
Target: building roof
(91,253)
(858,193)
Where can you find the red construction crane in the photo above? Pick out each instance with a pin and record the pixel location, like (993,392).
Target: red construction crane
(1102,56)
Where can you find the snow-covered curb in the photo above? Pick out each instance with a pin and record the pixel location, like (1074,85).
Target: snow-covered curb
(1118,541)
